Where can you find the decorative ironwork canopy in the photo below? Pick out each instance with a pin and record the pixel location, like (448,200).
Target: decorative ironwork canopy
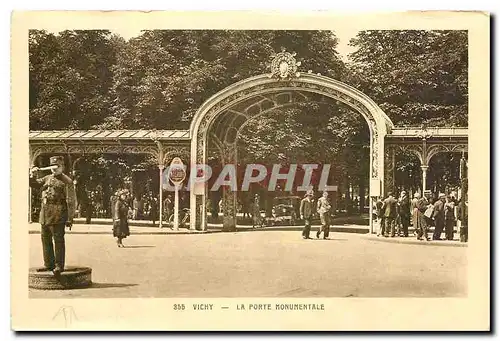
(162,144)
(108,135)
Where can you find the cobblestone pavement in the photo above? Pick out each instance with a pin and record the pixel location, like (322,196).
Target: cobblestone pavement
(259,264)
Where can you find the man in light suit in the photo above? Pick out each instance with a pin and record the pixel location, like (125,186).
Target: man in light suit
(324,207)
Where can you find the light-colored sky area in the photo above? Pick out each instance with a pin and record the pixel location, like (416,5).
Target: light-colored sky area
(344,35)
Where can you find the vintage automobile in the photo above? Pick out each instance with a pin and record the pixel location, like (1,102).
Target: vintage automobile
(285,210)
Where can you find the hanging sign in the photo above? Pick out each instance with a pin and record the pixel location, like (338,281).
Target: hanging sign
(177,171)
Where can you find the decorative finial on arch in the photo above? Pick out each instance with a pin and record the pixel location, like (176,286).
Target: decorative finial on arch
(284,65)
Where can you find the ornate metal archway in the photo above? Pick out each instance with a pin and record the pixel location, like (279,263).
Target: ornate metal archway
(221,116)
(255,95)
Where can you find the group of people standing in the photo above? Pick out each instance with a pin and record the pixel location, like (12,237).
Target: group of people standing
(307,209)
(395,215)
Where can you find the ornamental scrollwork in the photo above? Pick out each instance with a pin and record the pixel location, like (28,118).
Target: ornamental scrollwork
(444,148)
(318,88)
(199,212)
(35,152)
(389,163)
(95,148)
(171,152)
(415,149)
(284,65)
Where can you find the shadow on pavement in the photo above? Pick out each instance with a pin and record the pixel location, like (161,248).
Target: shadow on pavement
(137,246)
(111,285)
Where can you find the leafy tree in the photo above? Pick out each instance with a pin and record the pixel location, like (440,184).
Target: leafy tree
(416,77)
(163,77)
(70,78)
(94,79)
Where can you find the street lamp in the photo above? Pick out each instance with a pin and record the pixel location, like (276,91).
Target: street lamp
(424,134)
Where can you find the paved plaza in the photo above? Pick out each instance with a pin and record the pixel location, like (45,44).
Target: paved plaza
(259,264)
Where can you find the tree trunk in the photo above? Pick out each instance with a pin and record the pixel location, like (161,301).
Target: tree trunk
(362,193)
(348,196)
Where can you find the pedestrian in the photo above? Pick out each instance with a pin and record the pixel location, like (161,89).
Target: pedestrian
(323,207)
(56,213)
(397,221)
(257,218)
(380,214)
(87,204)
(463,215)
(135,206)
(389,210)
(428,214)
(120,222)
(138,207)
(404,212)
(168,207)
(153,211)
(438,216)
(246,213)
(419,222)
(112,201)
(449,217)
(413,206)
(306,213)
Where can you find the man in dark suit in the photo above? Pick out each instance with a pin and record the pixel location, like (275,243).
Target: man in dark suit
(57,211)
(380,215)
(306,213)
(438,216)
(389,211)
(404,212)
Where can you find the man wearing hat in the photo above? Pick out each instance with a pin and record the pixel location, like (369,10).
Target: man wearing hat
(306,212)
(323,209)
(57,210)
(438,216)
(389,212)
(404,212)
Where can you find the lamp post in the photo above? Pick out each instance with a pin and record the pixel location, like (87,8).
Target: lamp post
(424,134)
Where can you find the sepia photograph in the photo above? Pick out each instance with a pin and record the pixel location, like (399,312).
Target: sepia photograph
(290,166)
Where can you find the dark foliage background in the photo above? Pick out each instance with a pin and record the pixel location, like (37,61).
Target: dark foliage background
(94,79)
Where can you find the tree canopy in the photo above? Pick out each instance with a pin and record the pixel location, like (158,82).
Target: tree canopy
(416,77)
(93,79)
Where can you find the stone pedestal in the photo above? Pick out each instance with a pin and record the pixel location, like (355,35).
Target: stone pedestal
(73,277)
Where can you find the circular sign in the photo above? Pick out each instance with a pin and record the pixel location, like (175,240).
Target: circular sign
(177,171)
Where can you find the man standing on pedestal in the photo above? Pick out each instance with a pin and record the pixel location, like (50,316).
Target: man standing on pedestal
(57,210)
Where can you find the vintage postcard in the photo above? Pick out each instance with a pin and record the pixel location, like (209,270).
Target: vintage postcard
(250,171)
